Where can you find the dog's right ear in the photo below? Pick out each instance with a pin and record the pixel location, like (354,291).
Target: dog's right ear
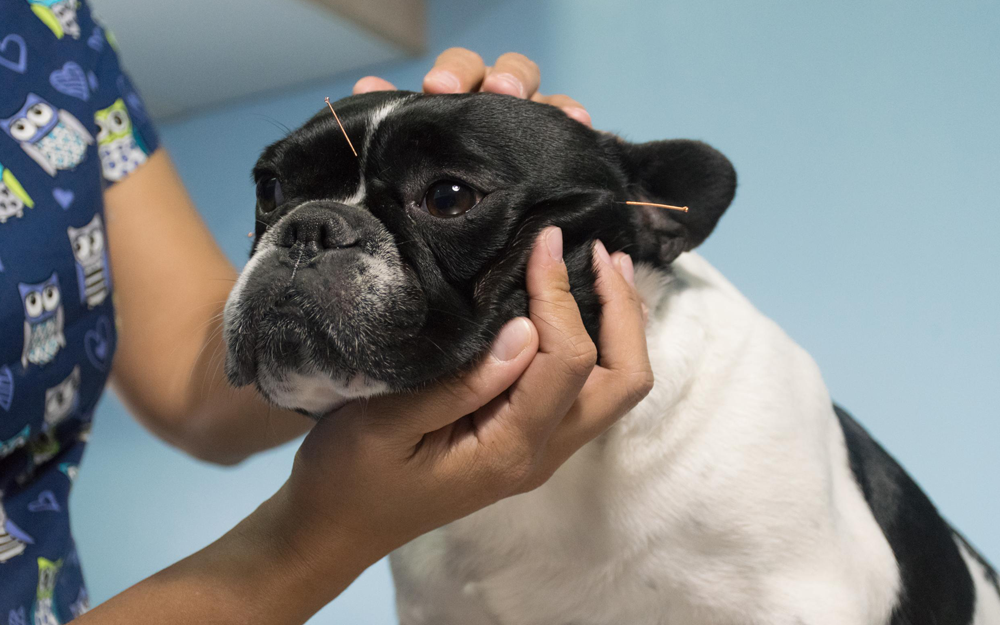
(679,172)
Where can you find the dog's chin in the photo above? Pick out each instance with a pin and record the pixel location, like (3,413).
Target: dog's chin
(290,362)
(312,392)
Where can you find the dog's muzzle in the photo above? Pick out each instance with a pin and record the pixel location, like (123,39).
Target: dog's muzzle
(317,308)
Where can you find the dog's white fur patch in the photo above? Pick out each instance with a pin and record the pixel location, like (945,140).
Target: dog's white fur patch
(724,497)
(231,312)
(987,600)
(315,392)
(376,117)
(358,198)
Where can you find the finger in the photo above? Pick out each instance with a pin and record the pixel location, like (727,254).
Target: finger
(565,358)
(456,70)
(553,309)
(449,401)
(624,376)
(571,107)
(622,345)
(372,83)
(513,74)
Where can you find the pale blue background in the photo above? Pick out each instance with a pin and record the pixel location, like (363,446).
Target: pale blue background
(867,139)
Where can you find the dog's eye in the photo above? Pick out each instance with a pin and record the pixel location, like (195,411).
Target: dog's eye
(449,199)
(269,195)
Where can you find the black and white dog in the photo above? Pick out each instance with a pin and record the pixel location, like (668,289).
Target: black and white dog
(735,493)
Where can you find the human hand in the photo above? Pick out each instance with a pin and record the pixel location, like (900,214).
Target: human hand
(376,475)
(458,70)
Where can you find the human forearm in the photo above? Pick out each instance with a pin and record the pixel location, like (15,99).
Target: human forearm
(268,569)
(173,281)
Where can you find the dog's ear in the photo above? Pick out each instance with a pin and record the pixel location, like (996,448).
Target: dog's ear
(680,173)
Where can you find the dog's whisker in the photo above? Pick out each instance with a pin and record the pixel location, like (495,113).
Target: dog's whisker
(452,314)
(269,430)
(274,122)
(218,349)
(432,342)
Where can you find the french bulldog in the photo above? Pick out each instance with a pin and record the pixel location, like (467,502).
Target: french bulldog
(736,492)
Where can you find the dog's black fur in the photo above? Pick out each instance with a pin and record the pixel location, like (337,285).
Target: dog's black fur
(936,584)
(464,275)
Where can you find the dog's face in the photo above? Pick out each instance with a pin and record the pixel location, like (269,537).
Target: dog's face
(384,271)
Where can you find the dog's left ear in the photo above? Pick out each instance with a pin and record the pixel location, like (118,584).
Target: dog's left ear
(681,173)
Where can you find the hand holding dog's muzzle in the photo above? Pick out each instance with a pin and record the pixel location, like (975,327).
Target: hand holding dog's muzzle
(380,473)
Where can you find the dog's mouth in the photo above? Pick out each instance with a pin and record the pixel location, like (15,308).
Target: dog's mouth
(292,351)
(314,329)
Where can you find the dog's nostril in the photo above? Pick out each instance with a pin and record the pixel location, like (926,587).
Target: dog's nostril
(322,231)
(289,236)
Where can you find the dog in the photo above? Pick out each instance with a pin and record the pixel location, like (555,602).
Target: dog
(736,492)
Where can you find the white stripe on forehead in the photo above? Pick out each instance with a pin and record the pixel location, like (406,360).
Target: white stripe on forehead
(377,117)
(371,126)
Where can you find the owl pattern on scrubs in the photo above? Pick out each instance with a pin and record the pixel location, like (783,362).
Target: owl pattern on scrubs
(71,124)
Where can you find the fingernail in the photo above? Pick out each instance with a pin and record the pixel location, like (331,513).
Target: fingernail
(512,340)
(602,253)
(506,83)
(579,115)
(442,81)
(554,241)
(628,270)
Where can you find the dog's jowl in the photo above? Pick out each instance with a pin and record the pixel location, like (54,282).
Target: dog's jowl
(735,493)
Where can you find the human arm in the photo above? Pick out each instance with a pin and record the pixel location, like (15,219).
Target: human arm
(173,281)
(371,477)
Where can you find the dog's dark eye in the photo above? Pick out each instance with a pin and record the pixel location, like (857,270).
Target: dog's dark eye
(269,195)
(449,199)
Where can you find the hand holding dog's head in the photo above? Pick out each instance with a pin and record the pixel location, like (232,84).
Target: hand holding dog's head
(387,270)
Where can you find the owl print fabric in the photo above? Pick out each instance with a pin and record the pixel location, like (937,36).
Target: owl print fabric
(70,125)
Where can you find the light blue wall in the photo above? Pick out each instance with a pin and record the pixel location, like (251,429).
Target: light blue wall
(867,139)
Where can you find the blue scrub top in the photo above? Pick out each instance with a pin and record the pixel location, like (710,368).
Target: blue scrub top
(70,125)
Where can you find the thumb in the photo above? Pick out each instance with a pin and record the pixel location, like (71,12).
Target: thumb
(444,403)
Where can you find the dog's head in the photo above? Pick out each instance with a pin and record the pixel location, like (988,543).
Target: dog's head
(387,270)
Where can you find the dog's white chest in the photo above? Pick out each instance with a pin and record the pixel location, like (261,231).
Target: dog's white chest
(551,556)
(724,497)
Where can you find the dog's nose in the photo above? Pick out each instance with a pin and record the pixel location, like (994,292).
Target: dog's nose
(319,229)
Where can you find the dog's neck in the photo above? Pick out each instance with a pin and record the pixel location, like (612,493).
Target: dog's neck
(701,332)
